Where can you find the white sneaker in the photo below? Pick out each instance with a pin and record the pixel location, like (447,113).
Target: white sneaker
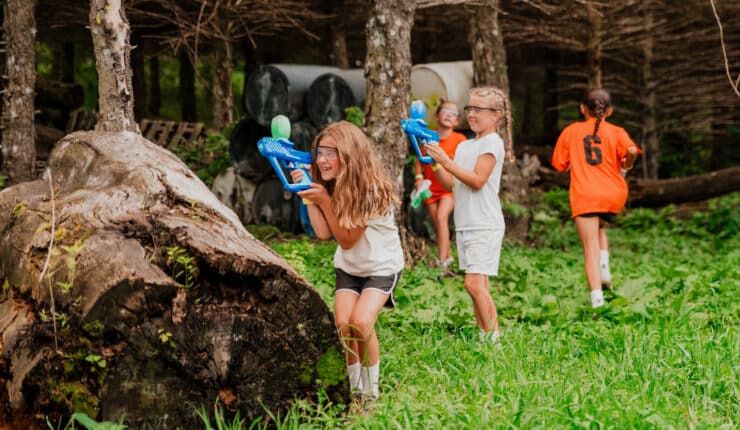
(447,261)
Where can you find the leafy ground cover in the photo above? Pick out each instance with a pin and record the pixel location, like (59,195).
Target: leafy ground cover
(663,353)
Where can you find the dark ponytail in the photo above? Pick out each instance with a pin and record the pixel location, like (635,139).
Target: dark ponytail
(598,101)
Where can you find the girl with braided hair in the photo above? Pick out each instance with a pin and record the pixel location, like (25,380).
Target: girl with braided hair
(598,155)
(474,177)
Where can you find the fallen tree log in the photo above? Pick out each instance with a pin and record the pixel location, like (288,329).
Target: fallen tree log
(662,192)
(154,300)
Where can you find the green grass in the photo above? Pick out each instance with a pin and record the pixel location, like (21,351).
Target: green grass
(663,353)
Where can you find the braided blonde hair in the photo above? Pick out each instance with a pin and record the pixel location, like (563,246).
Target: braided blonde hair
(498,99)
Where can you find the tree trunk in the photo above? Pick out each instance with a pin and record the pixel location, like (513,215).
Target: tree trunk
(650,141)
(110,35)
(338,55)
(138,80)
(661,192)
(188,112)
(550,97)
(155,92)
(487,43)
(223,98)
(18,150)
(66,96)
(489,68)
(155,300)
(387,72)
(593,45)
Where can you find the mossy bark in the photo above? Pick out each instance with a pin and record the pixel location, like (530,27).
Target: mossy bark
(155,299)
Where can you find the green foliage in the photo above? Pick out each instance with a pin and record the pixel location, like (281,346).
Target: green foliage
(166,337)
(220,422)
(209,159)
(2,181)
(355,115)
(96,362)
(550,224)
(183,266)
(74,396)
(662,352)
(331,368)
(88,423)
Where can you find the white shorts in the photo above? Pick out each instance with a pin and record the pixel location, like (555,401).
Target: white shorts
(479,251)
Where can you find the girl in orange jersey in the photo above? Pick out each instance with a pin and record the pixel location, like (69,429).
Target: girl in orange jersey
(440,204)
(598,154)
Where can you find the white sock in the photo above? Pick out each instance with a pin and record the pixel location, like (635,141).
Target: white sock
(597,298)
(606,275)
(355,382)
(494,336)
(370,377)
(491,336)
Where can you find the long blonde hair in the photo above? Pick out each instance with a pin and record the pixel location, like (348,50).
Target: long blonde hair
(362,189)
(497,99)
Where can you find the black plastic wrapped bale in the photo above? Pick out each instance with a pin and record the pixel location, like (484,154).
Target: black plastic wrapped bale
(243,148)
(266,94)
(327,98)
(274,206)
(302,134)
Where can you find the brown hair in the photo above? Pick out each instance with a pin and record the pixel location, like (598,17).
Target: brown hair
(362,189)
(498,99)
(597,101)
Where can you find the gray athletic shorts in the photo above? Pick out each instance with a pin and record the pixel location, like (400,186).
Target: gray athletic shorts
(357,284)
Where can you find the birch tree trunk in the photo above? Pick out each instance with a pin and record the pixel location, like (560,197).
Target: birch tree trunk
(387,72)
(18,147)
(110,35)
(489,69)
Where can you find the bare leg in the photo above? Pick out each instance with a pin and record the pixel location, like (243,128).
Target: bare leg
(344,303)
(605,273)
(442,226)
(483,305)
(588,232)
(362,322)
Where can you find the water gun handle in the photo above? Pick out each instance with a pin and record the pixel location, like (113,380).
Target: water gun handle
(305,182)
(421,193)
(423,158)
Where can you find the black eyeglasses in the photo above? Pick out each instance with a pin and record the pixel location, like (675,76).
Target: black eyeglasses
(478,109)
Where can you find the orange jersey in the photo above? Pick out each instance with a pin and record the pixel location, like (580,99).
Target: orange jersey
(596,184)
(449,144)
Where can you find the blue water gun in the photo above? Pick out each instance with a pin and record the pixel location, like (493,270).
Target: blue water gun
(417,128)
(281,154)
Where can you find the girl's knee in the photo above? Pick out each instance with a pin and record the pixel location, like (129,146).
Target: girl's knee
(363,328)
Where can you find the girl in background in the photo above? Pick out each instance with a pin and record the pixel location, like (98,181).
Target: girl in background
(474,177)
(598,155)
(441,203)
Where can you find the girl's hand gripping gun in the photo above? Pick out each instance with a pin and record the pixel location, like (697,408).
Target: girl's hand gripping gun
(416,128)
(279,151)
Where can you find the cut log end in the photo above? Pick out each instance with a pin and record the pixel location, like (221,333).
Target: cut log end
(163,302)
